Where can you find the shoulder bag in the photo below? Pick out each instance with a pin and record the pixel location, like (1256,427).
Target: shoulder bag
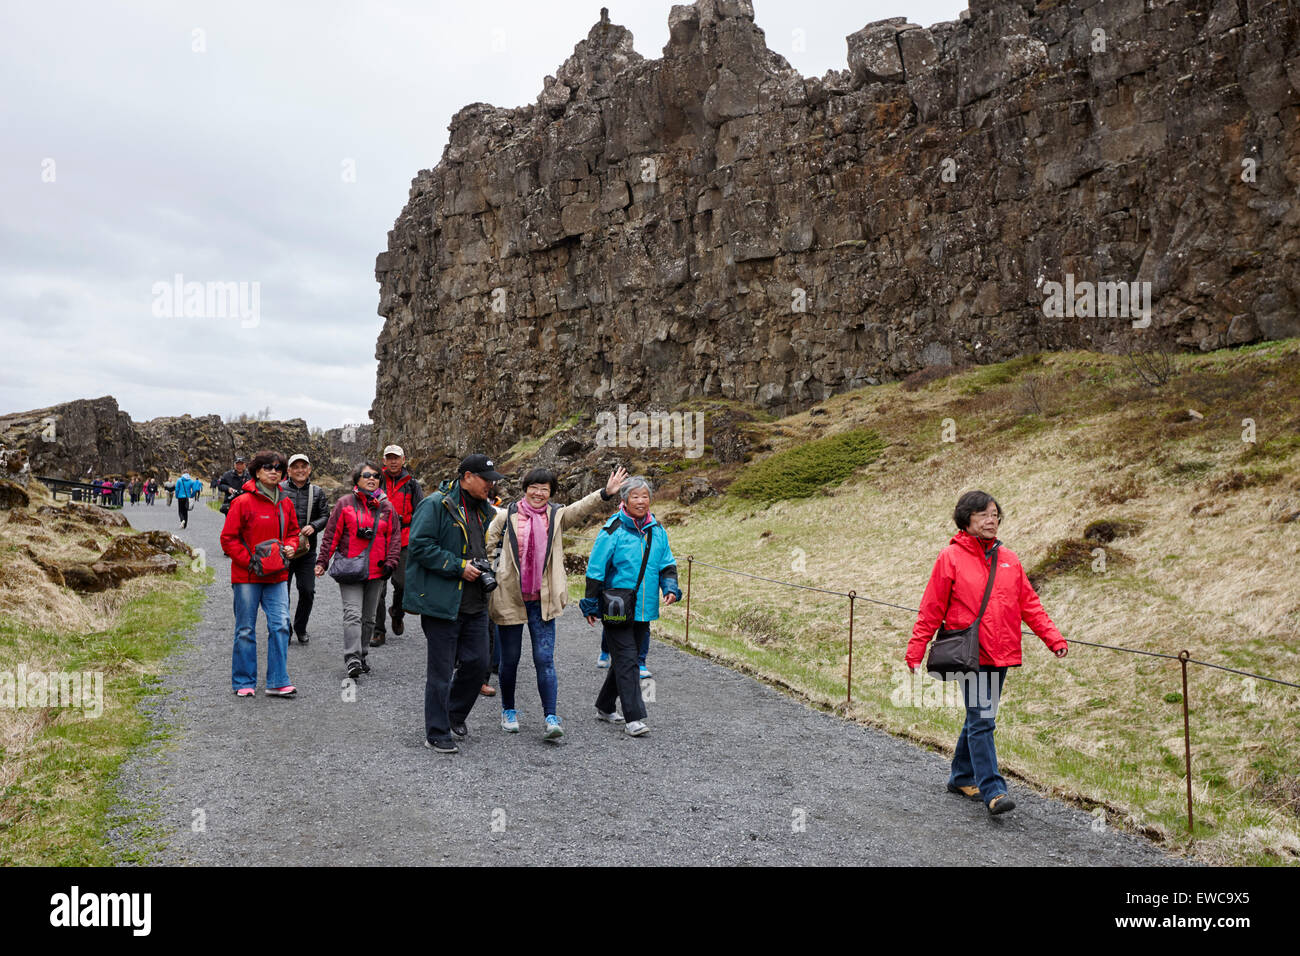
(353,570)
(955,653)
(267,557)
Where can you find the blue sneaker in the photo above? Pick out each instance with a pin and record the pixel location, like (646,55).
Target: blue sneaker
(603,661)
(510,721)
(553,728)
(645,672)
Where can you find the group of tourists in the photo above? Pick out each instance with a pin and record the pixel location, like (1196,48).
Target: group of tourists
(469,569)
(115,492)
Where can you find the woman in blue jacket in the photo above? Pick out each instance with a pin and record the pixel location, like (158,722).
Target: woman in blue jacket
(630,540)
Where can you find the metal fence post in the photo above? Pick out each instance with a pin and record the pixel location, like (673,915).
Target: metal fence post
(1187,738)
(848,697)
(690,558)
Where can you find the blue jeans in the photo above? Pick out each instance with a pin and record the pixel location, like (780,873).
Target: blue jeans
(542,634)
(643,645)
(975,761)
(274,600)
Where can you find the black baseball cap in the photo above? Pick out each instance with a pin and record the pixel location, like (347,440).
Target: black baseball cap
(480,465)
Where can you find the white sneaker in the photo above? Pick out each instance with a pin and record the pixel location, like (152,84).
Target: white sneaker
(636,728)
(611,718)
(510,721)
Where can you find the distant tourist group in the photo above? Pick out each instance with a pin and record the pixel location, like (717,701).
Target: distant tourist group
(476,573)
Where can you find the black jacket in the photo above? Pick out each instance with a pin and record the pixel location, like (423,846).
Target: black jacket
(320,506)
(232,482)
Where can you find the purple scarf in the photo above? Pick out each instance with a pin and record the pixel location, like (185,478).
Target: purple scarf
(531,528)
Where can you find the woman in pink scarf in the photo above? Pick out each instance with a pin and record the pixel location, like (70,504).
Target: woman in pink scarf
(532,586)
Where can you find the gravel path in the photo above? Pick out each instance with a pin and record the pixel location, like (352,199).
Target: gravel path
(732,771)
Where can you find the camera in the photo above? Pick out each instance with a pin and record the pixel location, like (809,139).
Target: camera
(486,577)
(365,534)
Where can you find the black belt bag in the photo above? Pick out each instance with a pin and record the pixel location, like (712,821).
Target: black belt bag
(955,653)
(618,605)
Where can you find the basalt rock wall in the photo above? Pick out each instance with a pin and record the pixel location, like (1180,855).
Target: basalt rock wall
(713,223)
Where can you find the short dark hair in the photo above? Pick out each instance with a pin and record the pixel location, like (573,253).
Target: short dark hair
(361,466)
(971,503)
(268,457)
(540,476)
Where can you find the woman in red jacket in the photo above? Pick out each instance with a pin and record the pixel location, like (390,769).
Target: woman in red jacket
(362,523)
(260,533)
(953,598)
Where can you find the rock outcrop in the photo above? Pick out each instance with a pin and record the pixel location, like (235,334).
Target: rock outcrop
(93,437)
(712,223)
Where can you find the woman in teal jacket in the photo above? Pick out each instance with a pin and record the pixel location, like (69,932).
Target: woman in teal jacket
(616,561)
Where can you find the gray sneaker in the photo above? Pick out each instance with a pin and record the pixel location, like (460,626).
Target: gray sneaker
(611,718)
(636,728)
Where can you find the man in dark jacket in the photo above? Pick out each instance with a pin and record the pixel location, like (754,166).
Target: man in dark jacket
(404,493)
(313,508)
(447,535)
(231,483)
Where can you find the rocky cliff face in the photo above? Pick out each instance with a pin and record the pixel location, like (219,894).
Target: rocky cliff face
(93,437)
(713,223)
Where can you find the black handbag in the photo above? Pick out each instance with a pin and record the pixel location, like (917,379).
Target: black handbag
(956,653)
(354,570)
(618,605)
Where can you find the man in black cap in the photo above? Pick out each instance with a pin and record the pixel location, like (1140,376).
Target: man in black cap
(443,587)
(231,484)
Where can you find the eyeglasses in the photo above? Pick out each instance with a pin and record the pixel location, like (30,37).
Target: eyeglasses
(369,475)
(276,468)
(988,514)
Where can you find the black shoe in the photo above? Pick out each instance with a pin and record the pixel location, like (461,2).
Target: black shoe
(460,730)
(355,666)
(377,640)
(398,626)
(303,638)
(444,745)
(365,667)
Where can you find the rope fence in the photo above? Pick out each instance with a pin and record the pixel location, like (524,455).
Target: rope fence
(1183,657)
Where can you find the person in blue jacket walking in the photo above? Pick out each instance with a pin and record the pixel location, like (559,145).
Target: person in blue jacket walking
(629,541)
(186,489)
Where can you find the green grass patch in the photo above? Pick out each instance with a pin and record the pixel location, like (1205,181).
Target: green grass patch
(55,811)
(801,472)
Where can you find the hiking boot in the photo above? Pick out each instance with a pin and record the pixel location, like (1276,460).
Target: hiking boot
(510,721)
(1001,804)
(397,625)
(972,792)
(554,729)
(378,640)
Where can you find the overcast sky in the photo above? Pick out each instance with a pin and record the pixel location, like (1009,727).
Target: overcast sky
(271,144)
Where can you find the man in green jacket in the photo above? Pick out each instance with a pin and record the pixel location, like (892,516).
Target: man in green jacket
(443,587)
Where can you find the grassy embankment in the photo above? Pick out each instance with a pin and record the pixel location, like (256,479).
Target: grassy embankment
(58,765)
(1202,559)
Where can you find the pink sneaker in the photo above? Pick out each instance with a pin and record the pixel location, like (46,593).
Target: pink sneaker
(288,691)
(245,692)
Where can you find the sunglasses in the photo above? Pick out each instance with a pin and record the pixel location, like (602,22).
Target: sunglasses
(369,474)
(275,468)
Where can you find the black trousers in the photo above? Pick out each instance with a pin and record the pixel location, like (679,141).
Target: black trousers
(183,506)
(398,582)
(455,669)
(623,680)
(302,572)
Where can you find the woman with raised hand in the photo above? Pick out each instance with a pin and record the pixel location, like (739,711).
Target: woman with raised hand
(976,582)
(532,586)
(630,564)
(364,536)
